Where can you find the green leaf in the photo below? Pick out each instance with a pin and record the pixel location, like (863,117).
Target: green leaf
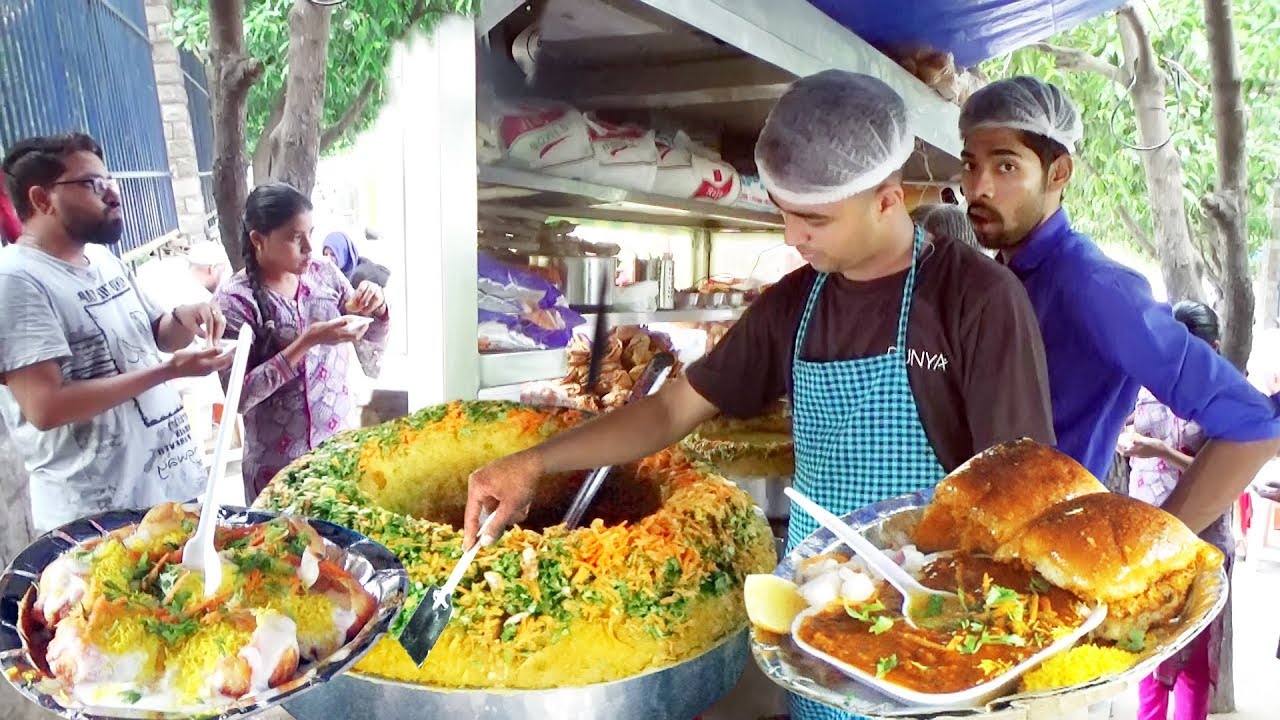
(934,608)
(885,664)
(171,632)
(362,35)
(131,696)
(999,595)
(298,544)
(864,611)
(881,626)
(1135,643)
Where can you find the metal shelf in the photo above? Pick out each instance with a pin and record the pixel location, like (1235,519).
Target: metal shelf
(625,318)
(530,192)
(513,368)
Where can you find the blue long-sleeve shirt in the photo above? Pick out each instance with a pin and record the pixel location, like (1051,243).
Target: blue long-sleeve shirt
(1105,337)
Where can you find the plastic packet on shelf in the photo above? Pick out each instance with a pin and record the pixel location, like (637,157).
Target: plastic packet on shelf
(518,310)
(543,133)
(754,196)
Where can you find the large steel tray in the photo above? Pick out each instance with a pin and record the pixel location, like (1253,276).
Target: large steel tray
(889,524)
(373,565)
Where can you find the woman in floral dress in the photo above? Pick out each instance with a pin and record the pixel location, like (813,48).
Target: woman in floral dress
(1161,447)
(296,393)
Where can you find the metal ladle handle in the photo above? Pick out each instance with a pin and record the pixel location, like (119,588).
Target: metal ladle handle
(649,382)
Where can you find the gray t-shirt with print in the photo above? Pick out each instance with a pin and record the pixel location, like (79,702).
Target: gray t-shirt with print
(95,323)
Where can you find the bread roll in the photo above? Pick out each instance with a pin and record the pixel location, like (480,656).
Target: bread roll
(985,502)
(1113,549)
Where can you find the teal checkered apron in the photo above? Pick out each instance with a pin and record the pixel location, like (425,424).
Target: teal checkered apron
(858,436)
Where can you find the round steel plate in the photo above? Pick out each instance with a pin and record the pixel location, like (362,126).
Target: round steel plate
(373,565)
(889,524)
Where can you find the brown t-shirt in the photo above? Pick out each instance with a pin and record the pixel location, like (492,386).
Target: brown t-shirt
(976,362)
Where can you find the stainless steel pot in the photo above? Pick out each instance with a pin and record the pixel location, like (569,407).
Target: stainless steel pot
(582,277)
(676,692)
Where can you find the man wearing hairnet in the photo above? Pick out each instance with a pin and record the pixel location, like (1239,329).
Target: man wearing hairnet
(946,220)
(1104,335)
(904,353)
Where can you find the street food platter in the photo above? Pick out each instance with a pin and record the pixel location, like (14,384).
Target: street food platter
(23,651)
(890,525)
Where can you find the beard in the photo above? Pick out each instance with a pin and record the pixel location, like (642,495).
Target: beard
(97,231)
(995,231)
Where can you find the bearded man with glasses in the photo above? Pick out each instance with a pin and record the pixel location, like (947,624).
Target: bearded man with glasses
(84,392)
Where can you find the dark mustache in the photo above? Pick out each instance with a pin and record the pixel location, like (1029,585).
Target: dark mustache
(984,212)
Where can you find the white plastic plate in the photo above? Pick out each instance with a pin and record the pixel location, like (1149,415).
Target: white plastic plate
(355,322)
(964,698)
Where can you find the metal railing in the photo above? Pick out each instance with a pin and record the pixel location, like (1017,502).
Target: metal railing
(200,109)
(84,65)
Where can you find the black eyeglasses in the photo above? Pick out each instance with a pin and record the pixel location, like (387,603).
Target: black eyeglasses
(99,185)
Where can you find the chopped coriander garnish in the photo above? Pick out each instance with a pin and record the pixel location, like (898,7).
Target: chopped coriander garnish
(934,608)
(1135,643)
(131,696)
(254,561)
(881,625)
(298,544)
(998,595)
(168,578)
(885,664)
(864,612)
(179,601)
(112,590)
(171,632)
(1003,639)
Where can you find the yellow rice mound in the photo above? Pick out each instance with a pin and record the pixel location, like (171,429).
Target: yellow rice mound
(1079,665)
(655,579)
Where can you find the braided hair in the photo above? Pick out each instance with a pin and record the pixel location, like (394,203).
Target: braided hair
(268,208)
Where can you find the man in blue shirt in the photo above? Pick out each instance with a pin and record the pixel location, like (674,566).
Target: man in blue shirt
(1105,336)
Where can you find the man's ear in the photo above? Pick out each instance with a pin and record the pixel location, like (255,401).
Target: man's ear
(889,195)
(40,199)
(1060,171)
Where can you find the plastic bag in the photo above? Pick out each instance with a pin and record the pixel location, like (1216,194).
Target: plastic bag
(518,310)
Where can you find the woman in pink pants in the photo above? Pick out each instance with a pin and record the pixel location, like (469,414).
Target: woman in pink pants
(1160,446)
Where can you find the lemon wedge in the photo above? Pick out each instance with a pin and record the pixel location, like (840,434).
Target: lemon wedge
(772,602)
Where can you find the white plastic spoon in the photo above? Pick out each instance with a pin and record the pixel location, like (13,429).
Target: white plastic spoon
(199,552)
(915,597)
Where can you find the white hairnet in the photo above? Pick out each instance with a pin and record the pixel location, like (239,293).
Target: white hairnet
(1024,103)
(832,136)
(207,253)
(950,221)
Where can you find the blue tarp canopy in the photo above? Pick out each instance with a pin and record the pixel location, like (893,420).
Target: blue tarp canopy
(971,30)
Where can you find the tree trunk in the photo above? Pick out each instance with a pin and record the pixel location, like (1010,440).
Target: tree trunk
(1227,206)
(1268,308)
(1160,161)
(234,72)
(262,148)
(1228,211)
(295,144)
